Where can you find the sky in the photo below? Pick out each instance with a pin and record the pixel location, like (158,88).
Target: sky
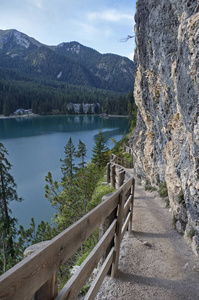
(100,24)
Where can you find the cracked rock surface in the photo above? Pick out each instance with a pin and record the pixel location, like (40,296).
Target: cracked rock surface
(165,143)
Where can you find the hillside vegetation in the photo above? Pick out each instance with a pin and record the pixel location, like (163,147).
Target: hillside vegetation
(46,78)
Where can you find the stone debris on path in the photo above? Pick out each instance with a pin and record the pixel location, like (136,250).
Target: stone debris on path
(155,261)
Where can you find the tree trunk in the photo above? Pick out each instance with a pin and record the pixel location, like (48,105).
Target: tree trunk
(4,205)
(6,219)
(4,258)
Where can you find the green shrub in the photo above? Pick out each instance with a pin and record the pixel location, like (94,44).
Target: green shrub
(137,4)
(163,192)
(99,192)
(157,93)
(191,232)
(128,157)
(118,147)
(149,187)
(181,199)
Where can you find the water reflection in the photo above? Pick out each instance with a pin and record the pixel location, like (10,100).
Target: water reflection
(32,126)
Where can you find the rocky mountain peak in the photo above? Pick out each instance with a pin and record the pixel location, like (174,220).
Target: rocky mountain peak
(21,39)
(14,42)
(72,47)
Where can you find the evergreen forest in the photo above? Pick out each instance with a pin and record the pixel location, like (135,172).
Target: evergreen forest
(54,97)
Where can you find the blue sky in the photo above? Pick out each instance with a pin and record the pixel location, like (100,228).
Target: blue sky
(96,24)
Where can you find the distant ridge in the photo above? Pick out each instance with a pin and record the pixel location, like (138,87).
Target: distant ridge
(22,56)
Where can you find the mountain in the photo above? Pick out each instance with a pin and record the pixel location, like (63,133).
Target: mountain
(73,63)
(111,68)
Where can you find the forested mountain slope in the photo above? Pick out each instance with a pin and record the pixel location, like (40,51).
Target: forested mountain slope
(48,78)
(68,62)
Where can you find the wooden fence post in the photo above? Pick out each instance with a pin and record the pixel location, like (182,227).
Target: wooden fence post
(118,235)
(121,177)
(108,172)
(113,176)
(132,204)
(49,290)
(103,228)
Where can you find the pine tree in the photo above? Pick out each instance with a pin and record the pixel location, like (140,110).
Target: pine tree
(7,223)
(100,149)
(81,110)
(106,106)
(68,165)
(64,108)
(6,109)
(97,109)
(81,153)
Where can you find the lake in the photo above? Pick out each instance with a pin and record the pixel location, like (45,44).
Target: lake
(35,146)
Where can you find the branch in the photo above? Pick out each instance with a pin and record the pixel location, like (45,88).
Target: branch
(128,37)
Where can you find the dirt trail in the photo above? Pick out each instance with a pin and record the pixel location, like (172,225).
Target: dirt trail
(155,262)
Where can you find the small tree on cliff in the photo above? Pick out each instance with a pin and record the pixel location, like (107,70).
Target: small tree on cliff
(7,223)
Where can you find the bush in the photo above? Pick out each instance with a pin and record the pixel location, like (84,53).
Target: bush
(163,192)
(149,187)
(118,148)
(128,157)
(181,200)
(99,192)
(191,232)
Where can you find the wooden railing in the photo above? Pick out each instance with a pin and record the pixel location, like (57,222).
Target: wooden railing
(127,149)
(122,162)
(36,276)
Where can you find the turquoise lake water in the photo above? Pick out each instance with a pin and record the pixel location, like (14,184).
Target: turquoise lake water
(35,146)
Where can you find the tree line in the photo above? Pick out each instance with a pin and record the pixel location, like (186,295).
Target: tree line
(54,97)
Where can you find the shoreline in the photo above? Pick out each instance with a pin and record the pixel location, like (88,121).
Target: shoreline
(18,116)
(118,116)
(37,115)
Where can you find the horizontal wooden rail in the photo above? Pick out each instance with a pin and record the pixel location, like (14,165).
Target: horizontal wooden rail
(126,223)
(100,277)
(127,205)
(28,276)
(97,283)
(122,162)
(81,276)
(127,149)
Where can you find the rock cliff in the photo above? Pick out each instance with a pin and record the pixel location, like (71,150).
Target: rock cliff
(165,141)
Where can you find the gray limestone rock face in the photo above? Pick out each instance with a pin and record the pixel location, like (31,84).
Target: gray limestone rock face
(165,142)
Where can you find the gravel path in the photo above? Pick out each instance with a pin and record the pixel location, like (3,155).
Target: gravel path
(155,262)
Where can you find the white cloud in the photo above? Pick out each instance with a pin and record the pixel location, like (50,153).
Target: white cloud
(87,30)
(111,15)
(38,4)
(99,25)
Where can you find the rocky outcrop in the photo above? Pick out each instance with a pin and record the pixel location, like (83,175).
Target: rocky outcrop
(165,142)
